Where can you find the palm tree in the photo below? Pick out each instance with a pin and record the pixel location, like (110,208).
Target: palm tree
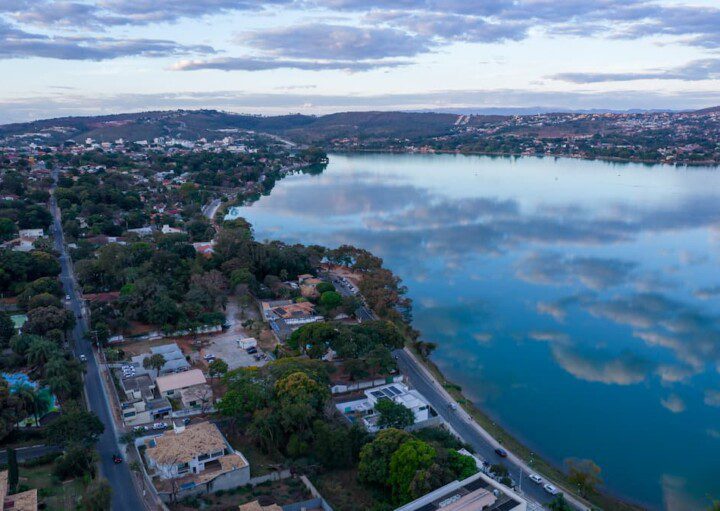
(33,400)
(40,351)
(155,361)
(55,367)
(59,385)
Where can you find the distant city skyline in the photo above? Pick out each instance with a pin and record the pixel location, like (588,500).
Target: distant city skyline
(61,58)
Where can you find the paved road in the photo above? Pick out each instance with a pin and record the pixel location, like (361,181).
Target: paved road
(460,422)
(125,496)
(209,210)
(363,313)
(30,452)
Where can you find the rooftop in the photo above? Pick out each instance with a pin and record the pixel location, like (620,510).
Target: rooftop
(180,380)
(173,447)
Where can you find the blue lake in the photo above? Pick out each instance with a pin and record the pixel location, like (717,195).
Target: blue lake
(577,302)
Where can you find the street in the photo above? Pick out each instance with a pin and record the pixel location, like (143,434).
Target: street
(124,494)
(461,423)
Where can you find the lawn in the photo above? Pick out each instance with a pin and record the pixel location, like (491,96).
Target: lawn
(55,494)
(260,463)
(343,491)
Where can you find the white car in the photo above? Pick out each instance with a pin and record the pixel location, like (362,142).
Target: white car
(140,429)
(82,358)
(552,490)
(536,478)
(160,425)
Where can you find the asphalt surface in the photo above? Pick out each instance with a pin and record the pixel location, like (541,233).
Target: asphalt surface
(362,312)
(124,495)
(31,452)
(458,419)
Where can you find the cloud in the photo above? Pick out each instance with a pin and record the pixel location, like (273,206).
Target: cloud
(594,272)
(673,403)
(551,336)
(712,398)
(707,293)
(703,69)
(451,26)
(600,367)
(265,64)
(16,43)
(335,42)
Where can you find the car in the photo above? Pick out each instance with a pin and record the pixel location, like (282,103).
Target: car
(140,429)
(501,452)
(67,297)
(186,420)
(453,406)
(536,479)
(82,358)
(117,458)
(552,490)
(160,425)
(209,356)
(251,351)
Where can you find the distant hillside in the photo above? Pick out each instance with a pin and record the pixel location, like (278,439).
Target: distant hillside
(364,126)
(212,124)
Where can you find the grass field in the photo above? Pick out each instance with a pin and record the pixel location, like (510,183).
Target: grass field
(56,495)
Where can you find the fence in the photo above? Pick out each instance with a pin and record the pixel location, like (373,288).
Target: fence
(313,491)
(272,476)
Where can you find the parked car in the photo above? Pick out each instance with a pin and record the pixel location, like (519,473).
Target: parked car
(82,358)
(117,459)
(140,429)
(160,425)
(251,351)
(536,479)
(501,452)
(552,490)
(67,297)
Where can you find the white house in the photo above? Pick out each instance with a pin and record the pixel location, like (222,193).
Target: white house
(399,393)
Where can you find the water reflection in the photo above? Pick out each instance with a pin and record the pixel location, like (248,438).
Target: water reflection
(547,282)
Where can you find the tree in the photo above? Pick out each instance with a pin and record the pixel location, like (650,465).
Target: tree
(155,361)
(374,465)
(409,461)
(394,415)
(217,367)
(8,229)
(584,474)
(98,496)
(331,299)
(77,461)
(75,426)
(40,350)
(324,287)
(43,319)
(7,329)
(13,473)
(559,504)
(36,400)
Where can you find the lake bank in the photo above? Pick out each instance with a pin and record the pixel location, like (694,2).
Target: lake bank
(519,269)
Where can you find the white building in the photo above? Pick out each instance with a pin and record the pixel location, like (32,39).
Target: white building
(194,459)
(476,493)
(399,393)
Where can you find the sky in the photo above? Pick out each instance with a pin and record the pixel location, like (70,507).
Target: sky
(83,57)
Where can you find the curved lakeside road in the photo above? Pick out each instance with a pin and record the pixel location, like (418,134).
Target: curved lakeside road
(124,492)
(481,441)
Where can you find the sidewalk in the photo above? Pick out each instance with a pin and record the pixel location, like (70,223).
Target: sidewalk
(468,419)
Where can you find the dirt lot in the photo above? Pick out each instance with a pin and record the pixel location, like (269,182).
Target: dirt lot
(282,492)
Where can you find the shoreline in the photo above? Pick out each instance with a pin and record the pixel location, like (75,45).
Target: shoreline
(608,159)
(603,499)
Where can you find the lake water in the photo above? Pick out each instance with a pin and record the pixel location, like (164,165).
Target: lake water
(577,302)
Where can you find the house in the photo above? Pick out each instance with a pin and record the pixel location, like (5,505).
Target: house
(32,234)
(205,248)
(166,229)
(168,385)
(194,459)
(142,231)
(476,493)
(23,501)
(135,413)
(364,409)
(341,383)
(174,359)
(197,397)
(308,285)
(138,387)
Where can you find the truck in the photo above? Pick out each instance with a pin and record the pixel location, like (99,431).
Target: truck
(247,343)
